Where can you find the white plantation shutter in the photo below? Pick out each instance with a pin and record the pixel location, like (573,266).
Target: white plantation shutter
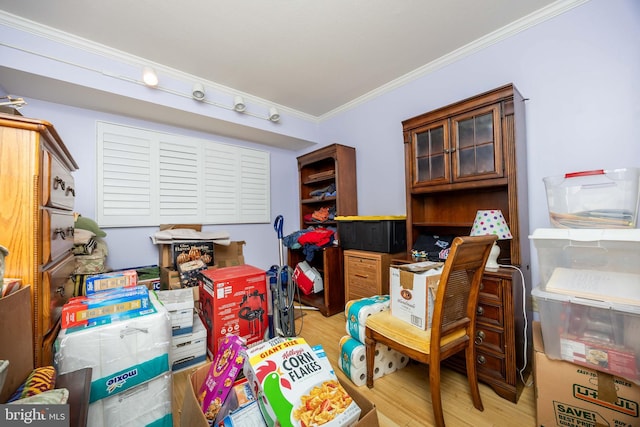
(149,178)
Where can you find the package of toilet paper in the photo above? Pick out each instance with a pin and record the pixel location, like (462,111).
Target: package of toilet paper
(122,354)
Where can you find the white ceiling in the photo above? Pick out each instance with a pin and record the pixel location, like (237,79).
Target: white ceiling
(313,57)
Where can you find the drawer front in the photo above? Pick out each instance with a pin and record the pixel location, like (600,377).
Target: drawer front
(58,187)
(491,289)
(490,314)
(57,234)
(489,339)
(490,365)
(57,288)
(363,267)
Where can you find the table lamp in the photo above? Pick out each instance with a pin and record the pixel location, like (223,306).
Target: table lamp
(491,222)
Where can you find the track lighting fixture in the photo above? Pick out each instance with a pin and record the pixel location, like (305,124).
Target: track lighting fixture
(149,77)
(198,92)
(274,116)
(238,104)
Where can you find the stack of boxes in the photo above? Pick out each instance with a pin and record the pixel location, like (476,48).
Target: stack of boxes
(188,334)
(587,343)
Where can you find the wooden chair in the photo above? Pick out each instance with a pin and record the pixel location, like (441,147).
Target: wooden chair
(453,324)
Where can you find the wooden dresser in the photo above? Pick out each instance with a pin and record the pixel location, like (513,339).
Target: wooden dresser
(37,195)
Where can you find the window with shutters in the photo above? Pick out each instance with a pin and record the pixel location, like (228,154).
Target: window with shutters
(150,178)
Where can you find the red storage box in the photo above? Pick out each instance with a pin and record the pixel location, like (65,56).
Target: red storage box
(233,300)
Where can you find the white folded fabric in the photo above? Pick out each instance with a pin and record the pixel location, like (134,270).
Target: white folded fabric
(175,234)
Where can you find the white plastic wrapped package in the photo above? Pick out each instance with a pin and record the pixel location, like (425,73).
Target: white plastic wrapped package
(148,404)
(122,355)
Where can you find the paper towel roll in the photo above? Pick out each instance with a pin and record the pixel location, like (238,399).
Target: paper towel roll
(401,360)
(352,351)
(358,376)
(390,365)
(380,354)
(378,371)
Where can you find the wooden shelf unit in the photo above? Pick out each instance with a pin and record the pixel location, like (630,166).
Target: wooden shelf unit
(465,157)
(331,166)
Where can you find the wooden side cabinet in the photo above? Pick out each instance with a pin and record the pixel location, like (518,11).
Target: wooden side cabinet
(367,273)
(500,335)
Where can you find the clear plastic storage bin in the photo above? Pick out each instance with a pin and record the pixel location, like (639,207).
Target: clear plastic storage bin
(602,250)
(589,297)
(594,199)
(600,335)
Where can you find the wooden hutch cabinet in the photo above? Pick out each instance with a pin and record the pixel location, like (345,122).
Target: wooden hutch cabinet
(459,159)
(327,181)
(36,221)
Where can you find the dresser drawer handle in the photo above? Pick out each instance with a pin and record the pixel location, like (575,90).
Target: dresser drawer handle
(70,231)
(479,337)
(70,190)
(481,360)
(362,276)
(480,311)
(60,232)
(57,181)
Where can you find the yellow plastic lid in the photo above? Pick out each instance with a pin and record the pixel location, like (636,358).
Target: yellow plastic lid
(371,218)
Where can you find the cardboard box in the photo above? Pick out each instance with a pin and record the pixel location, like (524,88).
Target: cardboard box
(16,339)
(169,278)
(165,255)
(412,290)
(185,251)
(179,303)
(307,373)
(192,416)
(188,350)
(233,300)
(231,255)
(570,395)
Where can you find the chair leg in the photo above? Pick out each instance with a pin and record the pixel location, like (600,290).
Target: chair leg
(370,346)
(436,396)
(472,376)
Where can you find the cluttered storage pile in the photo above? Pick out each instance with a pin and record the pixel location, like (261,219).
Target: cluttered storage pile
(282,381)
(587,343)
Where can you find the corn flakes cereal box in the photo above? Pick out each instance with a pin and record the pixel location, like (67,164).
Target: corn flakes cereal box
(296,386)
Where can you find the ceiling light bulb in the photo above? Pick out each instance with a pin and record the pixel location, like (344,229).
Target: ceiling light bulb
(274,116)
(149,77)
(198,92)
(238,104)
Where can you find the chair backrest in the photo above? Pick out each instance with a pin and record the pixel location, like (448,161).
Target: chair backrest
(457,295)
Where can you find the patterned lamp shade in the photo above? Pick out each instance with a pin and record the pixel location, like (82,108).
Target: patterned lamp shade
(491,222)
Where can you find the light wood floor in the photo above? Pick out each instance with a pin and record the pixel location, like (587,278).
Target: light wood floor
(403,398)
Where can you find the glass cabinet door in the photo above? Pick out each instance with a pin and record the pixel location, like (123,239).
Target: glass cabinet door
(476,144)
(431,154)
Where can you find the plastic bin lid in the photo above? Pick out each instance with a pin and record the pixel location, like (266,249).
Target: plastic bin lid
(587,234)
(371,218)
(542,295)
